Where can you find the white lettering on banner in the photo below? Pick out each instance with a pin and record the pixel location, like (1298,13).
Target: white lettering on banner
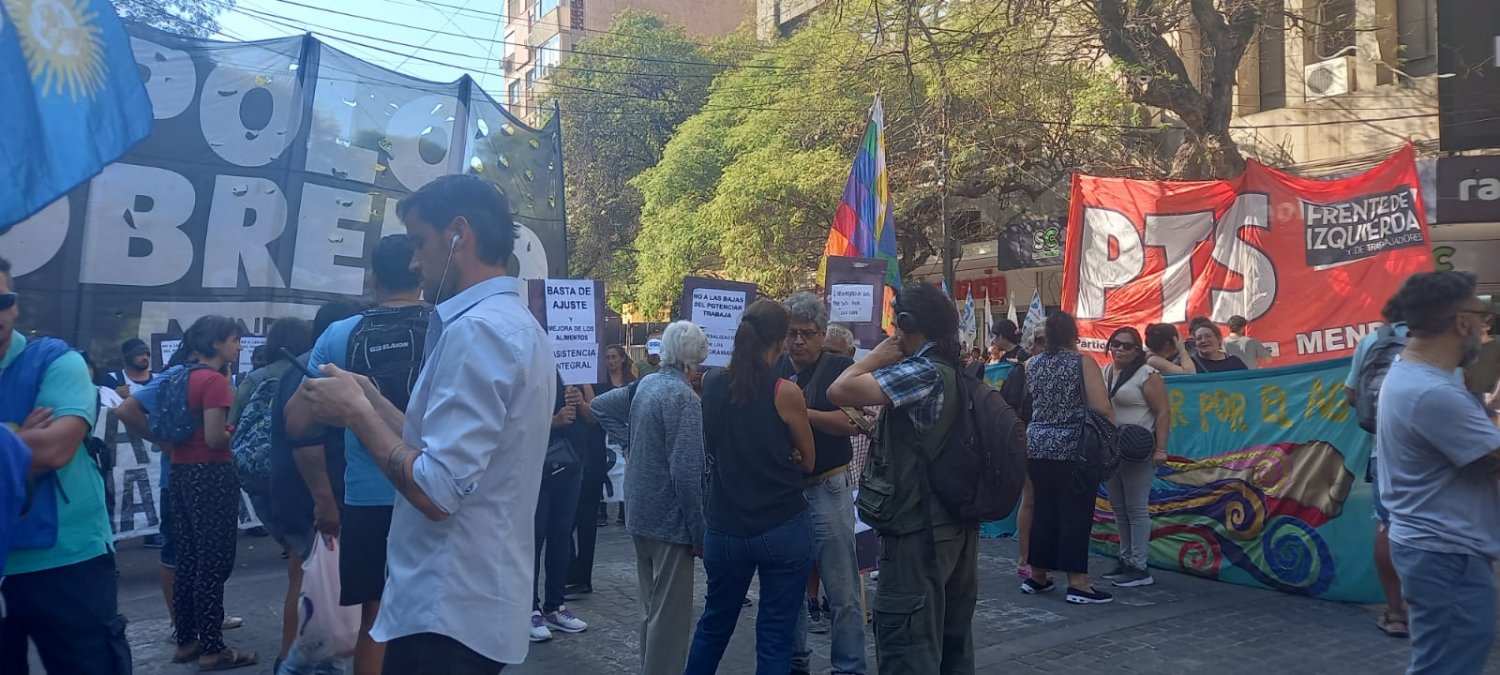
(171,79)
(245,217)
(422,127)
(31,243)
(1178,235)
(1101,272)
(571,315)
(717,312)
(157,316)
(1335,339)
(120,212)
(321,238)
(227,92)
(135,484)
(1360,228)
(851,303)
(1254,267)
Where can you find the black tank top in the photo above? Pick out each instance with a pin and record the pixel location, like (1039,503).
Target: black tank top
(753,485)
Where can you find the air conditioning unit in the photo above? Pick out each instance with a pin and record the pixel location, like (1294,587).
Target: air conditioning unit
(1329,78)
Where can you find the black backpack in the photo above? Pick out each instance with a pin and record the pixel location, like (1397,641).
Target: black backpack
(978,472)
(388,346)
(1372,372)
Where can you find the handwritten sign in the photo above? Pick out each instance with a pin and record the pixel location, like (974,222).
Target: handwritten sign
(571,313)
(851,303)
(718,312)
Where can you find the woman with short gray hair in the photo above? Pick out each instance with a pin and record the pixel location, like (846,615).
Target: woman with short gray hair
(840,340)
(663,419)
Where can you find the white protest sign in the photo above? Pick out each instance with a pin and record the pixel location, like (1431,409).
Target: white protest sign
(572,311)
(851,303)
(717,312)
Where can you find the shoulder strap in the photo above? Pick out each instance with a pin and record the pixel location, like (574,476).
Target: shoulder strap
(807,389)
(940,431)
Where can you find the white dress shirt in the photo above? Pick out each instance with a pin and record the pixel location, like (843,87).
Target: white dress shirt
(480,412)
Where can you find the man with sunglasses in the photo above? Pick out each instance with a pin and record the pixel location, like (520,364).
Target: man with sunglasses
(59,588)
(829,492)
(1439,462)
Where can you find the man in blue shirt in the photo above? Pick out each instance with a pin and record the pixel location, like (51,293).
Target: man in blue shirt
(387,344)
(1439,459)
(467,462)
(60,589)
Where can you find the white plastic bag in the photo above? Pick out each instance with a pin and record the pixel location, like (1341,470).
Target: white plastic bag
(326,631)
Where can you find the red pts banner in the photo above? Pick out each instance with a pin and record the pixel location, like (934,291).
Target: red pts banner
(1308,262)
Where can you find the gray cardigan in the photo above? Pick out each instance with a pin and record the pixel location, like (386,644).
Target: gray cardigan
(664,470)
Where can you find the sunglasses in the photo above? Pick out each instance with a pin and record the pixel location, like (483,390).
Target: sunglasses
(8,300)
(1126,346)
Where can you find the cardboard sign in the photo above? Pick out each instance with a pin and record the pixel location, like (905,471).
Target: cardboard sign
(572,310)
(715,306)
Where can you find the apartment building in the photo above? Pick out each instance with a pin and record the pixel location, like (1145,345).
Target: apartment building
(538,33)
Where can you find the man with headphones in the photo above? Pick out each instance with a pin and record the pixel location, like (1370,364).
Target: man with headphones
(466,459)
(929,569)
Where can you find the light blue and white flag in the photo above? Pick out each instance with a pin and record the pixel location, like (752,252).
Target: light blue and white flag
(1036,315)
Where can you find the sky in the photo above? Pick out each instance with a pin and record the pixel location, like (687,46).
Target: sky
(461,36)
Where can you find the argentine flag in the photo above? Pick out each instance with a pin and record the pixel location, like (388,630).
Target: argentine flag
(71,98)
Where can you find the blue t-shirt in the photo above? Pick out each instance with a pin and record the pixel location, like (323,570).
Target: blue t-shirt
(364,484)
(1430,431)
(15,464)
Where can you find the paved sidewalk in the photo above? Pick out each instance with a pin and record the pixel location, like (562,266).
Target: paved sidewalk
(1180,625)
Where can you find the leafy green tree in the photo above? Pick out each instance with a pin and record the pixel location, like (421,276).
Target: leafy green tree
(748,187)
(198,18)
(618,114)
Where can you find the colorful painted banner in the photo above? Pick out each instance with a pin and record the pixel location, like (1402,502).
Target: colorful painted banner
(1264,485)
(1141,252)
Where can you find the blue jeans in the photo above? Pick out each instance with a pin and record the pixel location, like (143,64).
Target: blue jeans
(830,504)
(1451,601)
(783,556)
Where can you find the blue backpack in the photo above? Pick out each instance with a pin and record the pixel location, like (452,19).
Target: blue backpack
(251,443)
(172,421)
(20,383)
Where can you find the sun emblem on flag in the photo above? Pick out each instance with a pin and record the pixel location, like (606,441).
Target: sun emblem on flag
(63,45)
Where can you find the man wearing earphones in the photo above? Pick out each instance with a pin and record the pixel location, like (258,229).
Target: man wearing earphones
(466,458)
(929,570)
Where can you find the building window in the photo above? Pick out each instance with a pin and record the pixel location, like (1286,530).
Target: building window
(548,55)
(1416,28)
(543,8)
(1333,30)
(1272,64)
(513,94)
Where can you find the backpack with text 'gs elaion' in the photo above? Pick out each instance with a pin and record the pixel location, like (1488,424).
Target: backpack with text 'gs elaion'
(1388,345)
(978,473)
(251,444)
(388,346)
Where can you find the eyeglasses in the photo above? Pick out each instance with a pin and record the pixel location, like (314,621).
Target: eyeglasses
(794,335)
(1126,346)
(8,300)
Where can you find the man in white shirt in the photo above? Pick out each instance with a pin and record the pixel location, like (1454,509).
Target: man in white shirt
(467,462)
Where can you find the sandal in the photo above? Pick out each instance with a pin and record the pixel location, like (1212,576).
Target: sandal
(228,659)
(189,656)
(1392,626)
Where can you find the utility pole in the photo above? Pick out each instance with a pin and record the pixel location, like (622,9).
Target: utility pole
(942,167)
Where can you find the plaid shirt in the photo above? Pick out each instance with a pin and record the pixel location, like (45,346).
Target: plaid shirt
(916,386)
(860,444)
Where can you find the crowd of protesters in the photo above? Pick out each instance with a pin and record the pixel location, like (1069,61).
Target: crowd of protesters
(429,437)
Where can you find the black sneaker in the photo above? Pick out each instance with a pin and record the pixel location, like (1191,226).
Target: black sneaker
(1088,596)
(1030,587)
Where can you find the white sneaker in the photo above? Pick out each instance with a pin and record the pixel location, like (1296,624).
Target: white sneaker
(539,632)
(563,620)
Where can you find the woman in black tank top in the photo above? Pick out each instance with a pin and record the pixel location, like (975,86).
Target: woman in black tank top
(758,444)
